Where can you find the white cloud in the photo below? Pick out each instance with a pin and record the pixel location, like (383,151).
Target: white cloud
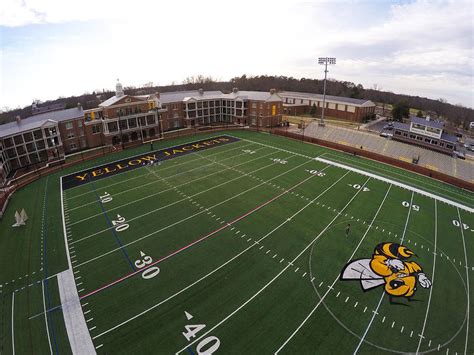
(404,48)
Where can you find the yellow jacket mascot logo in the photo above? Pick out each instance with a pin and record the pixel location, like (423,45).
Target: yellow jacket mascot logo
(390,267)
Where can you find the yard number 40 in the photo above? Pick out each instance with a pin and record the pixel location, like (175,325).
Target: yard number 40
(207,345)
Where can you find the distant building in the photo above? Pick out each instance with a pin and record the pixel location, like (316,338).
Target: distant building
(345,108)
(425,133)
(36,110)
(47,137)
(35,140)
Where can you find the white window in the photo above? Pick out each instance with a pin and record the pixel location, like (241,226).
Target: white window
(68,125)
(351,108)
(79,123)
(341,107)
(331,106)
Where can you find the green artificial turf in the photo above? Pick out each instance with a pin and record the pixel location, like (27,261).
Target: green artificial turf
(253,240)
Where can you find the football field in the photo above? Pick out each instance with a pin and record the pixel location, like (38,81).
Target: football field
(237,243)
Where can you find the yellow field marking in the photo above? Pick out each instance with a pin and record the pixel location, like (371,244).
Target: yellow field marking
(344,142)
(405,159)
(431,167)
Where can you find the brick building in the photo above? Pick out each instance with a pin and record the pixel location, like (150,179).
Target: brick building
(38,140)
(346,108)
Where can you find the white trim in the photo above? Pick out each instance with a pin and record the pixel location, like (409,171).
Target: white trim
(399,184)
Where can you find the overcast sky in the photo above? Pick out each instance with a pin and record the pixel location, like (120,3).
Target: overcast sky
(52,48)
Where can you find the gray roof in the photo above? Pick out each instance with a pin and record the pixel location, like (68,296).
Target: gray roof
(449,138)
(422,121)
(307,95)
(406,127)
(37,121)
(179,96)
(255,95)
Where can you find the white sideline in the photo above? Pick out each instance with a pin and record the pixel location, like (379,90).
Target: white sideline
(78,334)
(399,184)
(278,275)
(46,319)
(432,279)
(77,331)
(394,182)
(285,221)
(467,281)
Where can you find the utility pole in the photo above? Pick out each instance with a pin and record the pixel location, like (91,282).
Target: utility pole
(325,61)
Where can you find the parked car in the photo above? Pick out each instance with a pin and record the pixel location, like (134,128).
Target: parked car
(386,135)
(388,127)
(459,155)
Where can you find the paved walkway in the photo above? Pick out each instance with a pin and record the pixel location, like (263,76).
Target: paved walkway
(78,334)
(462,169)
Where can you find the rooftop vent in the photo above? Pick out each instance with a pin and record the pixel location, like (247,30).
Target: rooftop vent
(272,91)
(201,91)
(18,119)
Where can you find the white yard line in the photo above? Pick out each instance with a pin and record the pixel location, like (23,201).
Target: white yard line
(374,313)
(153,182)
(163,191)
(13,327)
(375,176)
(136,177)
(399,184)
(432,279)
(46,320)
(337,278)
(467,281)
(189,217)
(277,276)
(286,220)
(405,174)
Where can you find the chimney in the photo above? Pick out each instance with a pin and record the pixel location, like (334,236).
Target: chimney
(79,106)
(157,94)
(235,90)
(18,119)
(201,92)
(272,91)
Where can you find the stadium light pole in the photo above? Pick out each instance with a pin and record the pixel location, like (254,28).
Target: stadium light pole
(325,61)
